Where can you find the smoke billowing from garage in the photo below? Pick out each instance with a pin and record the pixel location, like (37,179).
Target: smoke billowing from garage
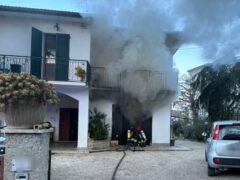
(129,38)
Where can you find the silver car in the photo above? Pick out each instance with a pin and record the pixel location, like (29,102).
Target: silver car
(223,147)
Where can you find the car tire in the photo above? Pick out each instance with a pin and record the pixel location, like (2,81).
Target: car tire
(211,171)
(206,159)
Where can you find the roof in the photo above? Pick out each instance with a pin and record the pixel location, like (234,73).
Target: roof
(197,69)
(40,11)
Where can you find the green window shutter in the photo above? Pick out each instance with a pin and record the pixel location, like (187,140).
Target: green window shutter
(36,52)
(62,57)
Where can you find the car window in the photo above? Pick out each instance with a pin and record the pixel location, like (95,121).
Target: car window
(229,132)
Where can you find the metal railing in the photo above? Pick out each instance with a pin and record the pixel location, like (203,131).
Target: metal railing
(49,67)
(102,78)
(153,80)
(96,77)
(11,63)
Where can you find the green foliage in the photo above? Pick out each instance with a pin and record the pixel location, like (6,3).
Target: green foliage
(191,129)
(177,128)
(24,88)
(198,128)
(80,72)
(98,129)
(219,90)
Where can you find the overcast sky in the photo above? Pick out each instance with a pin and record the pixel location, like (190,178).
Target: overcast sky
(186,57)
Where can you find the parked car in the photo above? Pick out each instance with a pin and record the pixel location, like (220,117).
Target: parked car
(223,146)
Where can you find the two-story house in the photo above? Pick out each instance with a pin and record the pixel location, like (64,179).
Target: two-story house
(50,44)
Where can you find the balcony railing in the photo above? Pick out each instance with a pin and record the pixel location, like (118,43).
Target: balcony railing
(49,68)
(153,80)
(9,63)
(101,78)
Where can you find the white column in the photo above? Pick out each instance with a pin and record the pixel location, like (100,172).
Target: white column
(161,125)
(83,115)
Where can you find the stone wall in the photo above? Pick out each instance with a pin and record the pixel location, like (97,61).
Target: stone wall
(30,143)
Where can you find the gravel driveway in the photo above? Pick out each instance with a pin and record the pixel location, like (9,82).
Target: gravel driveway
(159,165)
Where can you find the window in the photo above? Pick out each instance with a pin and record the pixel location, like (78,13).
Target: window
(50,48)
(229,132)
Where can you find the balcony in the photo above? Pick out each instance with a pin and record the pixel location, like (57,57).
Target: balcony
(102,79)
(46,68)
(64,72)
(155,81)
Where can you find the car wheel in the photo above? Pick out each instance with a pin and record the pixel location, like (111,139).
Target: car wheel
(211,171)
(206,157)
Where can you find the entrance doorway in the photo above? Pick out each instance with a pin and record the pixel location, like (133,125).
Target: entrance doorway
(121,125)
(68,128)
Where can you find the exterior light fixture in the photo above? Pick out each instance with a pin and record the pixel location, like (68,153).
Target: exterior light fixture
(56,26)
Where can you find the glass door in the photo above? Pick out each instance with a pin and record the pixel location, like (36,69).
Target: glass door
(50,56)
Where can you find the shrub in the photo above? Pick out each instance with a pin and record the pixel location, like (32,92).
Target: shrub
(23,88)
(177,128)
(191,129)
(98,129)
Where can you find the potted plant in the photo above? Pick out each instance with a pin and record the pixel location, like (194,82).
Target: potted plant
(80,72)
(23,99)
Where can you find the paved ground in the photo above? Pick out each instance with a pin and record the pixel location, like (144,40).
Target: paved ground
(159,165)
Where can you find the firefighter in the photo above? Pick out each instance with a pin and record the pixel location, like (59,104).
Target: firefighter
(136,136)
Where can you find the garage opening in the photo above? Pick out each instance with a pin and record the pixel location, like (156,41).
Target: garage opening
(120,126)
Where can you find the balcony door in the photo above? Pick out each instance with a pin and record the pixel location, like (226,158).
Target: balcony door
(50,55)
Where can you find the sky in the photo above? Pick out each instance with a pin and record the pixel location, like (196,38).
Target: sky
(187,57)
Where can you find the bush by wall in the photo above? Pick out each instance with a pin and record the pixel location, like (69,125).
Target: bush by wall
(23,88)
(191,129)
(98,129)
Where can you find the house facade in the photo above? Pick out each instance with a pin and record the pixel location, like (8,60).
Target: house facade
(50,44)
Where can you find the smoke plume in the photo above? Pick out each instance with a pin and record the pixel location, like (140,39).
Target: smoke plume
(129,39)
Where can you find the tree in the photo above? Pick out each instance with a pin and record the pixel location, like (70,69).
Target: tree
(187,98)
(219,90)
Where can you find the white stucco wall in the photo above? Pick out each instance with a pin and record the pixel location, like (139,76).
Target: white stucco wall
(16,30)
(161,125)
(53,112)
(52,116)
(81,94)
(105,106)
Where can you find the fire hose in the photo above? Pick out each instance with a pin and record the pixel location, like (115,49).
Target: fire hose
(131,143)
(121,149)
(127,147)
(118,164)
